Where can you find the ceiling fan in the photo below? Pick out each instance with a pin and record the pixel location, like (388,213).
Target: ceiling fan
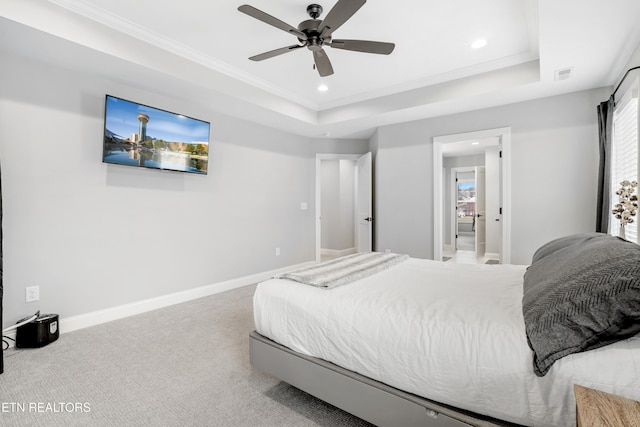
(314,33)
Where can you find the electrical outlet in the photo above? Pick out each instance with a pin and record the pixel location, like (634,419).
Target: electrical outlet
(277,251)
(32,293)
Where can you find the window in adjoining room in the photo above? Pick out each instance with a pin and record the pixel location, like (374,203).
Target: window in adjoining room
(466,206)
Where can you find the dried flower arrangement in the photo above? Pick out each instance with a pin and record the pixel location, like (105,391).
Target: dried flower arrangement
(627,205)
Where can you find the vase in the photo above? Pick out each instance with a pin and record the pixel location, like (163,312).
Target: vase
(621,234)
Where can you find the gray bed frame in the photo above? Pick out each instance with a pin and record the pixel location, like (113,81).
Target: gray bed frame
(363,397)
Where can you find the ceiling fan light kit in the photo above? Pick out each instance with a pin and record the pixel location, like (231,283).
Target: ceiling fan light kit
(314,33)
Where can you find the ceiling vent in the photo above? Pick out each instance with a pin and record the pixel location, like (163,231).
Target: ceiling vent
(563,73)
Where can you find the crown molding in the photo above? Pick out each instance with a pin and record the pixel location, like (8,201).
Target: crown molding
(146,35)
(448,76)
(128,27)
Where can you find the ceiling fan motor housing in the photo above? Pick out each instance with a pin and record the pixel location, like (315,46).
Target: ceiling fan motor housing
(310,28)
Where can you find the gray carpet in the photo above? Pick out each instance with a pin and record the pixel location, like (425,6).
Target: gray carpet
(185,365)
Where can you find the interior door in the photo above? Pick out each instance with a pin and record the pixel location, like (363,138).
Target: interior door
(481,221)
(492,202)
(364,204)
(1,285)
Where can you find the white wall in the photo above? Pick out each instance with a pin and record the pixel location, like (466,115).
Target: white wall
(330,202)
(554,164)
(95,236)
(337,204)
(632,62)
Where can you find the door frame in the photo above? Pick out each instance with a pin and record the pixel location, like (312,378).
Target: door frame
(479,232)
(438,200)
(318,208)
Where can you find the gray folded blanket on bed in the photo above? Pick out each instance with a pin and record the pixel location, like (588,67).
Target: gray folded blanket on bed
(344,270)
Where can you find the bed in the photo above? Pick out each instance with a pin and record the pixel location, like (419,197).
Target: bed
(420,342)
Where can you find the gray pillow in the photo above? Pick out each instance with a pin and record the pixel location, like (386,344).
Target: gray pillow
(581,292)
(561,243)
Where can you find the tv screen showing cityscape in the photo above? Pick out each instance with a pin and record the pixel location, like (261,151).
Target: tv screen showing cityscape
(143,136)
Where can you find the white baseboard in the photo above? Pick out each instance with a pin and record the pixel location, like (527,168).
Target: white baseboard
(98,317)
(337,252)
(492,255)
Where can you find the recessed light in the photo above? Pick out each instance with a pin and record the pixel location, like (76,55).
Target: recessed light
(475,143)
(323,88)
(479,43)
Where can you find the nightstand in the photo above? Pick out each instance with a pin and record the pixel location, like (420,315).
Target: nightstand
(596,408)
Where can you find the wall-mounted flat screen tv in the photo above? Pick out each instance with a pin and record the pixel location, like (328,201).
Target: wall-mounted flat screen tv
(143,136)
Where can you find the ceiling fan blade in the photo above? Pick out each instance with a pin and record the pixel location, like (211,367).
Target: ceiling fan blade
(275,52)
(338,15)
(322,63)
(367,46)
(268,19)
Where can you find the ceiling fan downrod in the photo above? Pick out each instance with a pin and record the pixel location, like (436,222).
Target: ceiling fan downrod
(314,11)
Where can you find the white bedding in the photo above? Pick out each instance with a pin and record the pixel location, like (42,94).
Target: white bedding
(453,333)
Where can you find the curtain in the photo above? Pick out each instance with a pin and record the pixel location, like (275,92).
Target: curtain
(605,127)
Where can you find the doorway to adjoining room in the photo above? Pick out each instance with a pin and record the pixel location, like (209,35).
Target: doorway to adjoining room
(465,235)
(472,198)
(344,208)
